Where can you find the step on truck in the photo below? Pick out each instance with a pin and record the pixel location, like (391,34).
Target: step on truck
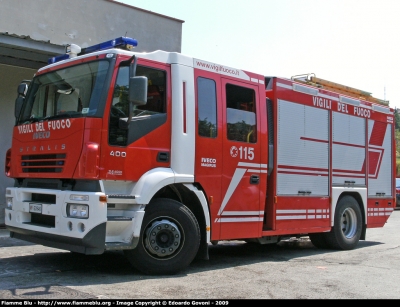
(160,155)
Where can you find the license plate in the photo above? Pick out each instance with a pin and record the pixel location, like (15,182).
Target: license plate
(35,208)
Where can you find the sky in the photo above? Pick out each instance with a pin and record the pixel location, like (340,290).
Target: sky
(352,42)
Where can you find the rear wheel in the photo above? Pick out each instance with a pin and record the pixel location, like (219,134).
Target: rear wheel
(346,231)
(318,240)
(169,238)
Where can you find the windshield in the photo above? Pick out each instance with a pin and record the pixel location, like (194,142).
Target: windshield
(69,92)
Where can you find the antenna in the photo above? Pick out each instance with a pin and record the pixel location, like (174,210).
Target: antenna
(384,92)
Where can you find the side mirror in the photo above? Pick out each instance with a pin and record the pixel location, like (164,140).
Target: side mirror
(21,90)
(18,105)
(138,90)
(123,123)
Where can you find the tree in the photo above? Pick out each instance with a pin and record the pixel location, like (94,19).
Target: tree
(397,138)
(396,119)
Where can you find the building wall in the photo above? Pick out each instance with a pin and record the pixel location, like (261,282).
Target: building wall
(10,82)
(88,22)
(82,22)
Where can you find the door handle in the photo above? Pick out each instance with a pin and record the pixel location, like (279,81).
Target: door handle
(254,179)
(163,157)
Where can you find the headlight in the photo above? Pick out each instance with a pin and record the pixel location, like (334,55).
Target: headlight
(77,197)
(78,211)
(9,202)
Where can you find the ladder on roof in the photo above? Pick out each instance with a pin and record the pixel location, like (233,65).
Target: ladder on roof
(311,79)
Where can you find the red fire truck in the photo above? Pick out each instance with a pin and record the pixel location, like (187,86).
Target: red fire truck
(159,155)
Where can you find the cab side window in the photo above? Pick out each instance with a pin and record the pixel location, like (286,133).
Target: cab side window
(207,107)
(155,105)
(240,114)
(155,92)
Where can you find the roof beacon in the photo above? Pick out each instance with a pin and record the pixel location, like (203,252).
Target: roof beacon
(73,50)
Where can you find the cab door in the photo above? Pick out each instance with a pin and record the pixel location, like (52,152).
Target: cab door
(240,214)
(146,144)
(209,138)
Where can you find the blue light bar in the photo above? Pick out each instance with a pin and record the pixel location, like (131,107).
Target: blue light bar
(58,58)
(120,42)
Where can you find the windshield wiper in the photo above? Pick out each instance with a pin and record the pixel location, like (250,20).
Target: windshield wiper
(69,114)
(31,120)
(61,115)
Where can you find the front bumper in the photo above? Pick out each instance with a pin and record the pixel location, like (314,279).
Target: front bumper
(53,224)
(93,243)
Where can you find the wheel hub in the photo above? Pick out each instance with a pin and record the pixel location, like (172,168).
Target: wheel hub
(349,223)
(162,238)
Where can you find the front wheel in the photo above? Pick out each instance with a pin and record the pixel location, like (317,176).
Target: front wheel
(169,238)
(346,231)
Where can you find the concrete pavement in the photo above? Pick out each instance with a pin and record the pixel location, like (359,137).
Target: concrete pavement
(4,232)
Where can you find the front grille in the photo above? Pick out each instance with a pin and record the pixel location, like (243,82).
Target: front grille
(43,198)
(51,163)
(42,220)
(43,185)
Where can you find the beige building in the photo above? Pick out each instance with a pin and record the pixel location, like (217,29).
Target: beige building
(33,31)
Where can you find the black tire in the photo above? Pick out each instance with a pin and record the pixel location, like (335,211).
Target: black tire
(347,227)
(169,239)
(319,240)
